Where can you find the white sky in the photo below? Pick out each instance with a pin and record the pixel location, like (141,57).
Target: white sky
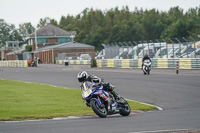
(21,11)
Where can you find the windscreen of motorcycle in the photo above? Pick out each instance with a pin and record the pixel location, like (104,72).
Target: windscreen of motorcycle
(147,62)
(86,89)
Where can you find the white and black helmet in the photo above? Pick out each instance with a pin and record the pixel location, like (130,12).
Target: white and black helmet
(82,76)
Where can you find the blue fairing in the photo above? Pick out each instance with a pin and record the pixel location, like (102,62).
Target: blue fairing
(95,92)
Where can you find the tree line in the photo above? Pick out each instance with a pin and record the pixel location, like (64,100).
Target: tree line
(96,27)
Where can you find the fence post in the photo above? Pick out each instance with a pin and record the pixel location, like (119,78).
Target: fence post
(194,46)
(177,67)
(160,46)
(166,46)
(187,44)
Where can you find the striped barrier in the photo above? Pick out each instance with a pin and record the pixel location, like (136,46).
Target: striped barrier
(99,64)
(14,63)
(184,63)
(125,63)
(110,63)
(162,63)
(74,62)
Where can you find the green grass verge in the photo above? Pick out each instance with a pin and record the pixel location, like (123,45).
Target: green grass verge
(29,101)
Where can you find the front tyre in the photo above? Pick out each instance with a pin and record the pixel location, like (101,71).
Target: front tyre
(144,70)
(100,111)
(125,108)
(148,71)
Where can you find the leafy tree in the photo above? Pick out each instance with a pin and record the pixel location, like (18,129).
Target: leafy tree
(193,22)
(41,23)
(8,33)
(25,29)
(28,48)
(54,22)
(176,29)
(95,27)
(66,23)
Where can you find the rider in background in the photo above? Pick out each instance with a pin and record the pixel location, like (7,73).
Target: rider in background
(146,57)
(83,76)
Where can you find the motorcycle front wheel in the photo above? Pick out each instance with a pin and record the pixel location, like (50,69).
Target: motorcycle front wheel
(100,111)
(148,71)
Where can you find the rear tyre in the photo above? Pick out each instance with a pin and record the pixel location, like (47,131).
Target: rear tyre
(100,111)
(125,109)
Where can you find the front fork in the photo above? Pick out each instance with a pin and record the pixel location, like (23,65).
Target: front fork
(98,100)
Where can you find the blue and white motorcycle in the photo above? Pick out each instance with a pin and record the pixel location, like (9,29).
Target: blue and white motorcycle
(102,102)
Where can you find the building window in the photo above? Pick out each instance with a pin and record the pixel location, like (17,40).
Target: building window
(10,45)
(42,40)
(62,40)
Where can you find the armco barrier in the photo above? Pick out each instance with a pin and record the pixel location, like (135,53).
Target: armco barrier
(162,63)
(14,63)
(195,63)
(125,63)
(184,63)
(74,62)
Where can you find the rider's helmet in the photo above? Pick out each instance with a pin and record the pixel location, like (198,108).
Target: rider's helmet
(146,55)
(82,76)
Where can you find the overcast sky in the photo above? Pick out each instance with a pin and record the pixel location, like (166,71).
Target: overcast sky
(21,11)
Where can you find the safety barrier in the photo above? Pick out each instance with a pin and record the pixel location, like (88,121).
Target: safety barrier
(184,63)
(74,62)
(14,63)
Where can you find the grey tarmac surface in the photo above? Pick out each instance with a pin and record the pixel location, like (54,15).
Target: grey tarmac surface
(178,95)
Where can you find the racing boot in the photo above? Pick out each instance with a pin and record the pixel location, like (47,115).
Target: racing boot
(117,97)
(110,88)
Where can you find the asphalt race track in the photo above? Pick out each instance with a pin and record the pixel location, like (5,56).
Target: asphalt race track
(178,95)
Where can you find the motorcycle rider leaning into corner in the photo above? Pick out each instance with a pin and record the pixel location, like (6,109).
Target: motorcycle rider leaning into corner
(146,57)
(83,76)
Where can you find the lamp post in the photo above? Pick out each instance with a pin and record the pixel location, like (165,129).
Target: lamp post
(179,46)
(194,46)
(142,47)
(137,48)
(36,47)
(160,46)
(187,45)
(166,47)
(147,45)
(153,51)
(172,46)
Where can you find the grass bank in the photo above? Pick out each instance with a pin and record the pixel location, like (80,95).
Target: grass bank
(29,101)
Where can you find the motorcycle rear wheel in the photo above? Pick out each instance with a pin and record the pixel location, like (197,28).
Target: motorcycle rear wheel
(125,110)
(100,111)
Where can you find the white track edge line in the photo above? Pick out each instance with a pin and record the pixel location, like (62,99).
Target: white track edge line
(159,108)
(158,131)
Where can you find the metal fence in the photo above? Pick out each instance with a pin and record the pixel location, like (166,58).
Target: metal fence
(165,48)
